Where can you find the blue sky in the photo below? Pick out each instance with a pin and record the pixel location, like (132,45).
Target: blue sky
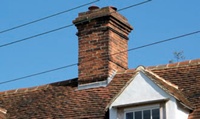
(153,21)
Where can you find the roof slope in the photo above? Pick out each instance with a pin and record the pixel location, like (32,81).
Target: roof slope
(186,75)
(169,88)
(63,100)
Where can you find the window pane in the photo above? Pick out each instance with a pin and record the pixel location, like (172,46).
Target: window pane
(129,115)
(156,114)
(138,115)
(146,114)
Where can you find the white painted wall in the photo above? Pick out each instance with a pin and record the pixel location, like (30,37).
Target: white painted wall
(142,89)
(182,113)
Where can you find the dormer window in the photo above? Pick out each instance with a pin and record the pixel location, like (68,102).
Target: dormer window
(144,112)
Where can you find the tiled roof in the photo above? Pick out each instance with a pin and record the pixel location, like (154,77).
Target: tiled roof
(186,75)
(2,113)
(64,100)
(169,88)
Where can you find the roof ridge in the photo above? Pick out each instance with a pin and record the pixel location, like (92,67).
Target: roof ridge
(24,90)
(175,65)
(34,88)
(64,82)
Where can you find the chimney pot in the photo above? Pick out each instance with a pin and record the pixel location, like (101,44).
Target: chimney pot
(93,8)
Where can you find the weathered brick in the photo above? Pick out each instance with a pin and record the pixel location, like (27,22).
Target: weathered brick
(105,34)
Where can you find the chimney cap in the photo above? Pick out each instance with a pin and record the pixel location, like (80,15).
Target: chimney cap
(93,8)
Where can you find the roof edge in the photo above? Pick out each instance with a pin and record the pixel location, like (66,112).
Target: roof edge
(175,65)
(178,95)
(35,88)
(4,111)
(161,79)
(24,90)
(135,72)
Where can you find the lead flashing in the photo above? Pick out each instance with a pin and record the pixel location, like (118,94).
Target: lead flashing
(99,83)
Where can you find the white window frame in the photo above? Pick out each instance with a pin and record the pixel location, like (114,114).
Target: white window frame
(141,108)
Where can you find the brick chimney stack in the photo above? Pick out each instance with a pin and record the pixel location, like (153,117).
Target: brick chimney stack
(101,34)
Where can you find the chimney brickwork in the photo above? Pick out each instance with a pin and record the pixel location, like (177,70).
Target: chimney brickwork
(102,34)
